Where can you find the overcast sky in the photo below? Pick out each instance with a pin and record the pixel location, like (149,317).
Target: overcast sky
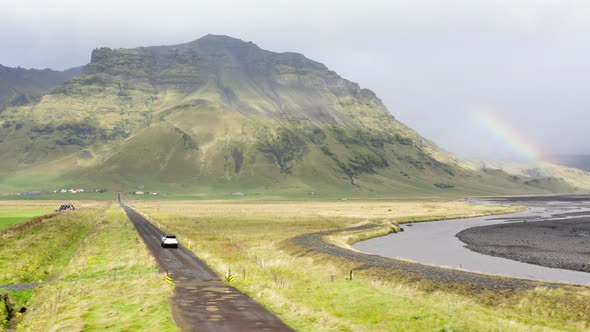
(434,63)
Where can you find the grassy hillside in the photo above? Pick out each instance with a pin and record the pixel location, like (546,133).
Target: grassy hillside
(219,115)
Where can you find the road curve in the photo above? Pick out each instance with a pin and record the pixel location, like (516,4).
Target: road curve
(201,301)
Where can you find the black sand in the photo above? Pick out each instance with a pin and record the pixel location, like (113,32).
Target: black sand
(560,243)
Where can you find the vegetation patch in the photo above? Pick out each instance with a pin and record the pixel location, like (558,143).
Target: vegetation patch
(283,149)
(111,282)
(444,185)
(238,158)
(187,140)
(13,307)
(367,163)
(367,137)
(360,164)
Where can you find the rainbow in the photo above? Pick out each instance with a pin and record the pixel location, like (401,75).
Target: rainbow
(511,137)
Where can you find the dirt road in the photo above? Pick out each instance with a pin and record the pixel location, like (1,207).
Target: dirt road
(202,302)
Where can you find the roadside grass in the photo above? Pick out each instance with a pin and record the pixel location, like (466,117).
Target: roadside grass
(110,283)
(11,213)
(34,254)
(310,291)
(112,248)
(38,251)
(138,303)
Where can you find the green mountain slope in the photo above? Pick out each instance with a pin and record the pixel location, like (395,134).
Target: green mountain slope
(218,115)
(19,86)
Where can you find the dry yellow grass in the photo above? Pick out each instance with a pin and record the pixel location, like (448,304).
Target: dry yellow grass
(250,237)
(340,209)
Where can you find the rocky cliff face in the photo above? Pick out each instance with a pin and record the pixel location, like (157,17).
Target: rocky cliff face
(19,86)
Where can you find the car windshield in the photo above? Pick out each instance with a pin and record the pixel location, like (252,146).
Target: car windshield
(171,236)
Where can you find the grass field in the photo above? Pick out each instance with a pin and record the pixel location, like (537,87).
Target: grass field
(60,197)
(97,274)
(311,293)
(11,215)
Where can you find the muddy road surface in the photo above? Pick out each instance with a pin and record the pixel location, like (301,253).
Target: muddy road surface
(201,301)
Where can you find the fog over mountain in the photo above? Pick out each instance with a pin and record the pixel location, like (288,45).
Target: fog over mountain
(436,65)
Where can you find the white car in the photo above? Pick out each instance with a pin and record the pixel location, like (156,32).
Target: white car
(169,241)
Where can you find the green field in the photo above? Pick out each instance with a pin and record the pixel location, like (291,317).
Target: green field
(62,198)
(98,275)
(11,214)
(11,217)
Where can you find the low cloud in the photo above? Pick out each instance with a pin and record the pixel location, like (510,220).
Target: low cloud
(430,61)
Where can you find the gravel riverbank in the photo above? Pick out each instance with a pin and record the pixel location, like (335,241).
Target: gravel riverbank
(315,243)
(532,236)
(560,243)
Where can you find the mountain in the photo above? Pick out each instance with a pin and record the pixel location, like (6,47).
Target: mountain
(19,86)
(557,178)
(579,161)
(218,115)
